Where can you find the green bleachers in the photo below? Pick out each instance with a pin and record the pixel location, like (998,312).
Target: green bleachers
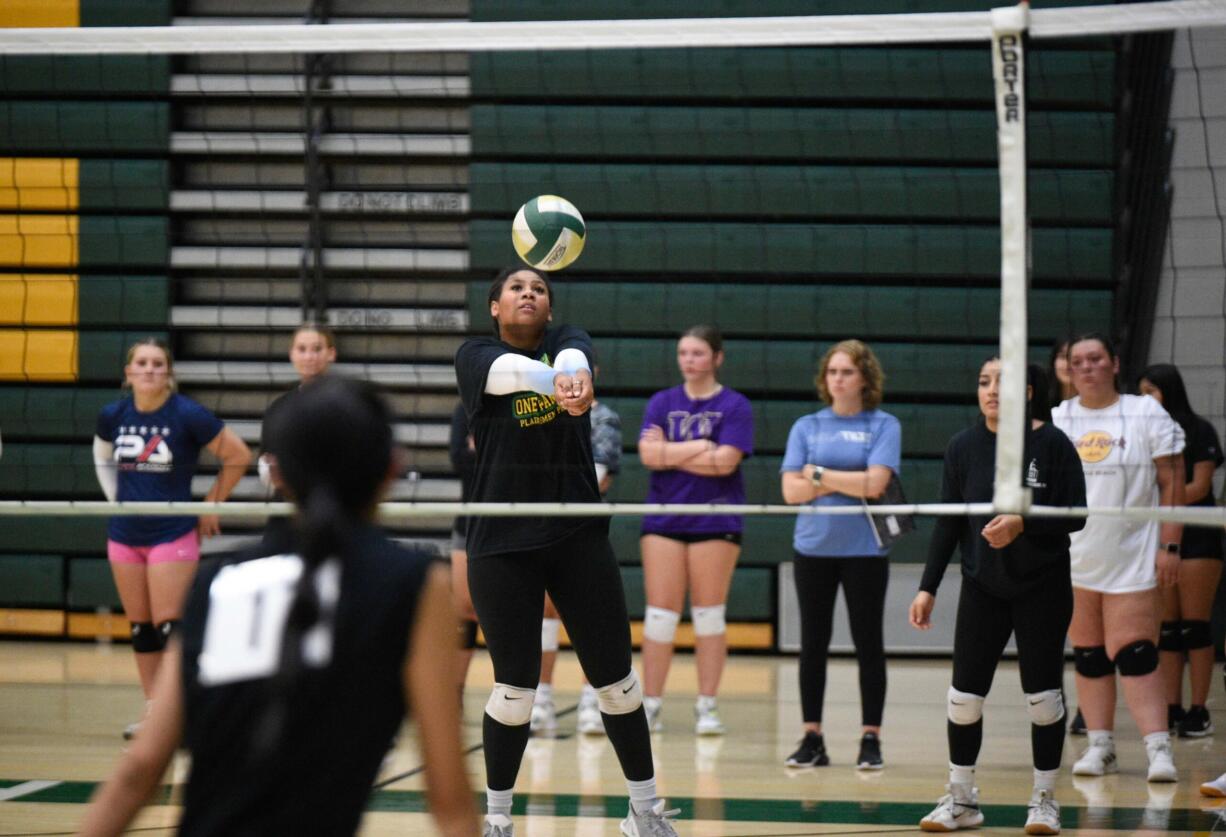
(124,185)
(51,412)
(636,190)
(32,581)
(65,128)
(888,75)
(870,135)
(124,301)
(79,75)
(59,471)
(750,599)
(65,535)
(90,585)
(818,250)
(103,354)
(815,311)
(785,368)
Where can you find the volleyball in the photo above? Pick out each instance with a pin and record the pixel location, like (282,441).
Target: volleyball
(548,232)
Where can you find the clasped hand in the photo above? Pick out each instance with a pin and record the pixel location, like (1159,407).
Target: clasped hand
(574,393)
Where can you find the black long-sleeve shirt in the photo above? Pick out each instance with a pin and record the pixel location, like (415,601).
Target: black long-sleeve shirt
(1054,475)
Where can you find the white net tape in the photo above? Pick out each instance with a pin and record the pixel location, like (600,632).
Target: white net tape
(450,36)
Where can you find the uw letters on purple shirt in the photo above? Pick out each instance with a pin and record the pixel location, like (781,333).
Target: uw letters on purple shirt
(726,419)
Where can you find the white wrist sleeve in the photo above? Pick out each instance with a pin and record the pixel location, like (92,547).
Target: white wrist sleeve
(264,470)
(516,373)
(601,471)
(104,467)
(570,361)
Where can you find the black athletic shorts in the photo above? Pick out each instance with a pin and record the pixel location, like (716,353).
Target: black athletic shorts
(700,537)
(1201,542)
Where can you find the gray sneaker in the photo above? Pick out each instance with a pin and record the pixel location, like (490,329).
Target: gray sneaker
(655,822)
(498,826)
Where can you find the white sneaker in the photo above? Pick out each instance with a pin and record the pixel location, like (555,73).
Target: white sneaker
(1161,764)
(653,707)
(1043,816)
(590,722)
(957,809)
(1097,760)
(497,825)
(1216,788)
(655,822)
(544,717)
(706,718)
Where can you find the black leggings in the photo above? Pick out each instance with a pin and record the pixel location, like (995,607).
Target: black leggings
(1040,621)
(864,583)
(583,579)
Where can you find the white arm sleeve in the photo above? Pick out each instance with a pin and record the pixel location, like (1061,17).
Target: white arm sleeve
(601,471)
(262,468)
(570,361)
(516,373)
(104,467)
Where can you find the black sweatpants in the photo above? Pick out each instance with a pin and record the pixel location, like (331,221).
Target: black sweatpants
(583,579)
(1040,621)
(864,581)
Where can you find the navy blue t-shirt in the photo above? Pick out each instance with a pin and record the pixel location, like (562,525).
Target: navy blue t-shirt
(155,459)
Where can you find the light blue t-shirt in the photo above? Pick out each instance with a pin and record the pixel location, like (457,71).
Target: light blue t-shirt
(844,443)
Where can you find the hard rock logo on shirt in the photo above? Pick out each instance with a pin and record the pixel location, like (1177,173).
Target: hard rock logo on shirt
(135,452)
(1096,445)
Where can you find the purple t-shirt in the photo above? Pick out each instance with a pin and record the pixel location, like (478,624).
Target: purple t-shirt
(725,418)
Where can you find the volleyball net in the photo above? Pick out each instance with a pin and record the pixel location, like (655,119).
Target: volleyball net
(947,186)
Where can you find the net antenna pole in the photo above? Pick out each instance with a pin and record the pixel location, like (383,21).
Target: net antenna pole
(1009,73)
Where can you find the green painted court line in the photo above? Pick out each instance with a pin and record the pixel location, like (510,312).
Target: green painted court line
(746,810)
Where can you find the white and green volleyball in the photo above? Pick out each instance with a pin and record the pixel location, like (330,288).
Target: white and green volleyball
(548,232)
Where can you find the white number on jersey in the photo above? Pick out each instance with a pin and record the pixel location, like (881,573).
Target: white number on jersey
(248,606)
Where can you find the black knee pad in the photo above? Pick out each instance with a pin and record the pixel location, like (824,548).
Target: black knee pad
(1137,659)
(146,639)
(1197,634)
(168,629)
(1170,637)
(1092,661)
(468,634)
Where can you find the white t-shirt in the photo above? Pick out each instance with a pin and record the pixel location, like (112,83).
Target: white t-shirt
(1117,446)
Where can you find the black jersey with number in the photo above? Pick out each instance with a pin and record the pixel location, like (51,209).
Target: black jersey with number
(314,775)
(1055,478)
(529,450)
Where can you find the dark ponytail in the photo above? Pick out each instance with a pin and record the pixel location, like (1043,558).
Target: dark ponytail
(333,448)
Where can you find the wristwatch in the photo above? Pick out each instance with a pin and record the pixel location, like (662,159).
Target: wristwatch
(818,470)
(1171,547)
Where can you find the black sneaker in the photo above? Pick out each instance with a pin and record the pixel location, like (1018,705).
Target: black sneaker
(1174,716)
(1195,723)
(1078,725)
(810,753)
(870,753)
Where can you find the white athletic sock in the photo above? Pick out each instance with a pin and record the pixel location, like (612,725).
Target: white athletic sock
(544,693)
(1101,738)
(1046,779)
(498,802)
(960,775)
(705,703)
(642,794)
(1162,736)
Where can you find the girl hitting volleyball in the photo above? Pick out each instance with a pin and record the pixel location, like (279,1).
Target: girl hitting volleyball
(527,391)
(293,670)
(145,448)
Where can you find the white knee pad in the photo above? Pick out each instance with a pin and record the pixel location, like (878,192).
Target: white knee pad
(708,621)
(1045,708)
(964,708)
(622,697)
(549,634)
(660,625)
(510,705)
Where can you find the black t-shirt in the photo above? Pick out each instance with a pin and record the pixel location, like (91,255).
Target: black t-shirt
(529,450)
(1201,446)
(1055,478)
(318,772)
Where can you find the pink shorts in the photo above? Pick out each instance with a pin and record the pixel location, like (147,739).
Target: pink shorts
(186,548)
